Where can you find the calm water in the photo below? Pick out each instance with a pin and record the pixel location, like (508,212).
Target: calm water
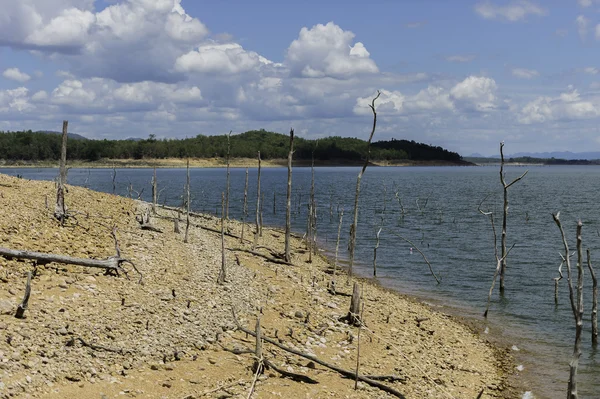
(441,218)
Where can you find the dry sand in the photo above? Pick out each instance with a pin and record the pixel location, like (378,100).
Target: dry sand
(165,338)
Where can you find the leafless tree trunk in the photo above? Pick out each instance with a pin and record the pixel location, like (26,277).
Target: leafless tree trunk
(362,171)
(262,202)
(594,301)
(288,208)
(505,187)
(23,305)
(337,243)
(228,159)
(114,179)
(187,191)
(499,259)
(379,232)
(223,272)
(257,233)
(60,210)
(154,192)
(576,303)
(244,208)
(557,279)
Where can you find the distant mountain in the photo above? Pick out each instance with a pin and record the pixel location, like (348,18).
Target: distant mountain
(568,155)
(73,136)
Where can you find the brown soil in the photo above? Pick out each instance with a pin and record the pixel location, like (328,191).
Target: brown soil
(166,337)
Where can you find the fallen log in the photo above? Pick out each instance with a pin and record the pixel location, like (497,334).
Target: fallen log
(270,259)
(110,264)
(345,373)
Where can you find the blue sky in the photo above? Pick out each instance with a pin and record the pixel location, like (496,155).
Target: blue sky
(461,74)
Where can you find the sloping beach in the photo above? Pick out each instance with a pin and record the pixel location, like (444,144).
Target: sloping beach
(91,335)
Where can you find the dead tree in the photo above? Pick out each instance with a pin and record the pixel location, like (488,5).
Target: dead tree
(154,192)
(258,227)
(222,273)
(244,207)
(337,243)
(557,279)
(379,232)
(594,317)
(576,302)
(227,192)
(187,191)
(353,316)
(60,210)
(23,305)
(499,259)
(505,187)
(114,179)
(360,174)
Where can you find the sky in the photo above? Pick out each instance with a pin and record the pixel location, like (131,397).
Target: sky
(463,75)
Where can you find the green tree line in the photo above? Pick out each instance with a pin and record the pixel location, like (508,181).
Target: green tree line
(42,146)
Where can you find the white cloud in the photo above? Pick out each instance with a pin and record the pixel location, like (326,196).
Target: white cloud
(328,51)
(16,75)
(476,93)
(213,58)
(584,3)
(460,58)
(389,102)
(568,105)
(14,100)
(132,40)
(582,26)
(39,96)
(513,11)
(591,70)
(524,73)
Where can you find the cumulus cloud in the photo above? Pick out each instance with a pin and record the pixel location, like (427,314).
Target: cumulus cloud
(569,105)
(476,93)
(512,12)
(213,58)
(582,26)
(14,100)
(328,51)
(16,75)
(584,3)
(132,40)
(524,73)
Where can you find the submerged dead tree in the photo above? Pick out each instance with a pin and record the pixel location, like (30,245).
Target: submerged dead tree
(244,208)
(154,192)
(288,207)
(360,174)
(60,210)
(505,187)
(258,226)
(576,299)
(594,301)
(227,192)
(187,193)
(223,272)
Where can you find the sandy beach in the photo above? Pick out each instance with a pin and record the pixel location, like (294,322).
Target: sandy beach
(91,335)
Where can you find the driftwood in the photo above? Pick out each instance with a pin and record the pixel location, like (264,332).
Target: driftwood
(270,259)
(175,219)
(345,373)
(23,305)
(111,264)
(95,347)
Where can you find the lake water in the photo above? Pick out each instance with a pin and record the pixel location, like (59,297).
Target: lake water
(442,219)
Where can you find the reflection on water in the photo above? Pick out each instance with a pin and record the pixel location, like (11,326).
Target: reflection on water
(441,217)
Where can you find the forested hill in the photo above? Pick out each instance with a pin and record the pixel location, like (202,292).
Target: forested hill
(41,146)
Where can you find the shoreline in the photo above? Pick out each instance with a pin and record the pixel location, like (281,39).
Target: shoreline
(307,284)
(214,163)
